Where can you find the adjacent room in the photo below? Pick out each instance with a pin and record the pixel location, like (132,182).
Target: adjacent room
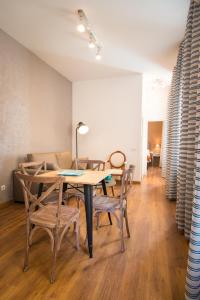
(100,149)
(154,143)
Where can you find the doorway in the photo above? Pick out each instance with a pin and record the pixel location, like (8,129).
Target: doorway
(154,145)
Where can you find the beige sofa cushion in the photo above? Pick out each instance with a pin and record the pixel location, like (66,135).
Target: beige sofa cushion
(64,159)
(49,158)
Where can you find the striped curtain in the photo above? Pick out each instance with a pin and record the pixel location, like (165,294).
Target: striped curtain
(163,155)
(192,144)
(183,151)
(189,122)
(173,128)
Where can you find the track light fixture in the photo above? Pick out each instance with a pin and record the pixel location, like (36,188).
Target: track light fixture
(84,26)
(81,28)
(82,21)
(98,54)
(92,41)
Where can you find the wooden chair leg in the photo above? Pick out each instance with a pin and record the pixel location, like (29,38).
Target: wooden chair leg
(122,232)
(53,268)
(109,217)
(127,226)
(98,219)
(26,259)
(113,191)
(77,234)
(78,202)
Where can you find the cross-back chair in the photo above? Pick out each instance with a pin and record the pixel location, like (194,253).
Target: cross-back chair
(116,206)
(55,219)
(34,167)
(77,191)
(92,164)
(98,165)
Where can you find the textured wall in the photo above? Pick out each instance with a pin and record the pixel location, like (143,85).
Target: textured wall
(35,108)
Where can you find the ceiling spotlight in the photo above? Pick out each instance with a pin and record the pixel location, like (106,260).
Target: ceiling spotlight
(98,54)
(91,44)
(82,21)
(81,28)
(92,40)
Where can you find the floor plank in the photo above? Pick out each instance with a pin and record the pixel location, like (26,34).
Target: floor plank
(152,268)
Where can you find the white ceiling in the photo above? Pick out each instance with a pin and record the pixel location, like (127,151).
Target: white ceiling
(137,35)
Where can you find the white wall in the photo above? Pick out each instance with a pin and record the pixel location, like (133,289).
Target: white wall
(154,108)
(112,108)
(154,100)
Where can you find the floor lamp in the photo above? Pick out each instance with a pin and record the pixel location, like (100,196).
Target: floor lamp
(81,128)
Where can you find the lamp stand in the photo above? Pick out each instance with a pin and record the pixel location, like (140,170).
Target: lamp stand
(82,129)
(76,142)
(76,163)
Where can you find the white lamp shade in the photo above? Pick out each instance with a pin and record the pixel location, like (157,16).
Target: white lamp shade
(83,129)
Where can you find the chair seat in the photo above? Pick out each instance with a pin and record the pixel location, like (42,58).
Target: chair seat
(79,194)
(75,193)
(105,203)
(46,215)
(53,198)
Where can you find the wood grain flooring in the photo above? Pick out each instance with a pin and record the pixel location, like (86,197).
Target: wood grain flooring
(152,268)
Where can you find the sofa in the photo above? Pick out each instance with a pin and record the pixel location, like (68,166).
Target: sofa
(54,161)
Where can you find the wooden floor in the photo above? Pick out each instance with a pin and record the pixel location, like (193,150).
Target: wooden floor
(152,268)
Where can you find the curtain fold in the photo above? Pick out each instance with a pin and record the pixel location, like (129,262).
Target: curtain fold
(163,155)
(193,36)
(188,131)
(173,128)
(183,151)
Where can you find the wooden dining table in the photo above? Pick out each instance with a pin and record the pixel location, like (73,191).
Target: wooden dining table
(88,179)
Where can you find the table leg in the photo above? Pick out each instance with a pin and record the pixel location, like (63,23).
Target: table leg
(89,216)
(105,193)
(64,187)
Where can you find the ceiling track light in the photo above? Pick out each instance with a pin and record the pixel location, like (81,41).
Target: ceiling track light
(84,26)
(92,40)
(82,21)
(98,54)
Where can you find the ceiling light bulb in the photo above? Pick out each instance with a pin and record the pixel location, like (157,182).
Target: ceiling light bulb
(98,56)
(91,45)
(81,28)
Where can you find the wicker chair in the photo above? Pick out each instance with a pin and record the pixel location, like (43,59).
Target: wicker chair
(113,205)
(55,219)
